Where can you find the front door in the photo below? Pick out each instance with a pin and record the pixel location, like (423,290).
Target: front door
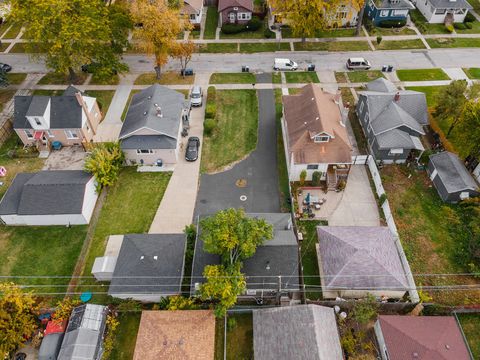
(232,17)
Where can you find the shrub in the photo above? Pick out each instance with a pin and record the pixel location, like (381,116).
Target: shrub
(211,110)
(468,25)
(105,162)
(254,24)
(469,18)
(231,323)
(232,28)
(382,199)
(392,23)
(178,302)
(303,176)
(316,178)
(209,126)
(379,39)
(268,34)
(365,310)
(460,26)
(449,28)
(111,333)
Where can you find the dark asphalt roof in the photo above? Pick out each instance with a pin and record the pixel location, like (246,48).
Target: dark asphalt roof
(38,105)
(50,192)
(388,4)
(448,4)
(145,255)
(149,142)
(71,91)
(142,111)
(452,172)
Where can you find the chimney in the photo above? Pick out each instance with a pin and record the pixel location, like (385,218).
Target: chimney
(159,111)
(81,102)
(397,97)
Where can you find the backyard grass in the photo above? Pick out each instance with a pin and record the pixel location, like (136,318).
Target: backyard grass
(424,27)
(430,92)
(16,78)
(364,76)
(218,48)
(283,182)
(219,338)
(471,328)
(126,336)
(250,48)
(422,75)
(400,44)
(232,78)
(287,33)
(5,96)
(62,79)
(453,42)
(332,46)
(428,231)
(211,23)
(296,77)
(347,98)
(167,78)
(111,80)
(472,73)
(240,337)
(235,134)
(104,98)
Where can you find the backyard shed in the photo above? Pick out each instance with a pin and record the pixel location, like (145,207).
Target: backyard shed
(50,346)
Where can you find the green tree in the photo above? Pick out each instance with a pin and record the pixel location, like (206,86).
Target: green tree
(17,319)
(468,124)
(223,285)
(233,235)
(303,176)
(67,33)
(105,162)
(64,309)
(365,310)
(183,51)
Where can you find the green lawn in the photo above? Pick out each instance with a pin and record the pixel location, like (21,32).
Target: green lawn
(474,30)
(13,31)
(218,48)
(422,75)
(24,47)
(347,97)
(232,78)
(16,78)
(5,96)
(219,338)
(258,34)
(475,4)
(471,328)
(430,93)
(296,77)
(287,33)
(211,23)
(4,46)
(276,78)
(453,43)
(400,44)
(423,26)
(472,73)
(62,79)
(283,182)
(332,46)
(391,31)
(126,336)
(104,98)
(167,78)
(240,338)
(111,80)
(360,76)
(263,47)
(48,92)
(235,134)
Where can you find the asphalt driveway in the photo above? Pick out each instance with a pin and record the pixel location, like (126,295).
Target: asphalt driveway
(219,191)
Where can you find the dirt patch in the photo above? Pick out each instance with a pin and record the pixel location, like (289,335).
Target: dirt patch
(241,183)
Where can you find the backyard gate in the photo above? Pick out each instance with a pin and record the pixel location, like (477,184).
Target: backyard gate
(360,159)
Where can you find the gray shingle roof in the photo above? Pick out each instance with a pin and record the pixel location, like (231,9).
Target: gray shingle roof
(452,172)
(71,91)
(395,139)
(46,193)
(50,346)
(381,85)
(136,262)
(149,142)
(307,332)
(38,105)
(448,4)
(392,117)
(142,112)
(350,255)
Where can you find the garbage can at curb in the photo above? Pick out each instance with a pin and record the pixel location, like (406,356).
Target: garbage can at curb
(245,68)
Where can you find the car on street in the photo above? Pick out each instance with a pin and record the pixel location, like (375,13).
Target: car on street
(193,145)
(358,64)
(196,96)
(5,67)
(284,64)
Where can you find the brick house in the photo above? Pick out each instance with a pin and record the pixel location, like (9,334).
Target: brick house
(235,11)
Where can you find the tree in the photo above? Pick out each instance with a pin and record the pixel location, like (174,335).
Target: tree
(233,235)
(183,51)
(160,28)
(223,285)
(105,162)
(303,176)
(17,319)
(67,33)
(365,310)
(468,123)
(64,309)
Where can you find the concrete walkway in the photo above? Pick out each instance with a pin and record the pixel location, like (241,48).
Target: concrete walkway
(456,73)
(178,203)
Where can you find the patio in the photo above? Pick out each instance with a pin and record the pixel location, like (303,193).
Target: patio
(68,158)
(322,204)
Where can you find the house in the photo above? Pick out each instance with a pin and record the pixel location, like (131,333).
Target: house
(235,11)
(451,178)
(392,121)
(186,334)
(388,12)
(273,268)
(83,338)
(144,267)
(53,197)
(315,135)
(443,11)
(71,118)
(150,134)
(194,10)
(358,260)
(420,337)
(307,332)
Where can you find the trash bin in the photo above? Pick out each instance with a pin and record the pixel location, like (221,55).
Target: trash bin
(186,72)
(311,67)
(245,68)
(159,163)
(390,68)
(384,68)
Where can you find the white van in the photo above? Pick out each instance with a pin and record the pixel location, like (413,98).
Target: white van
(284,64)
(358,64)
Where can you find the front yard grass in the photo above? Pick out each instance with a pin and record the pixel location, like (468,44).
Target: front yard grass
(472,73)
(474,30)
(126,336)
(167,78)
(471,328)
(430,92)
(218,48)
(276,78)
(422,75)
(297,77)
(250,48)
(111,80)
(16,78)
(240,337)
(257,34)
(429,234)
(287,33)
(211,23)
(391,31)
(232,78)
(53,78)
(13,32)
(235,132)
(104,98)
(20,48)
(423,26)
(360,76)
(400,44)
(332,46)
(453,43)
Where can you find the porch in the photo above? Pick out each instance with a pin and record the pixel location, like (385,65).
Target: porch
(316,203)
(337,176)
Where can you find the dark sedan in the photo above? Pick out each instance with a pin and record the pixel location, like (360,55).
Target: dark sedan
(5,67)
(192,148)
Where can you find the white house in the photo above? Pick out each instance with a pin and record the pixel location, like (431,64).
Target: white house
(59,197)
(194,10)
(443,11)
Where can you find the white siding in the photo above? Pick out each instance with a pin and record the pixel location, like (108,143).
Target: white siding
(297,169)
(428,12)
(168,156)
(67,219)
(89,199)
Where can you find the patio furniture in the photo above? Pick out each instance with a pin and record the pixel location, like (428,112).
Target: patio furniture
(317,206)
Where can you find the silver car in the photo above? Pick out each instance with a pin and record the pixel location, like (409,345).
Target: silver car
(196,96)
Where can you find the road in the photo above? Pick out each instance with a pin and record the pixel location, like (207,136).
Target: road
(401,59)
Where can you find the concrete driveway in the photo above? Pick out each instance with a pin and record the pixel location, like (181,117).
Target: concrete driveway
(68,158)
(358,206)
(259,169)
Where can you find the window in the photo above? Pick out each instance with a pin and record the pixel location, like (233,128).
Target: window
(312,167)
(193,16)
(464,195)
(50,134)
(71,134)
(244,16)
(144,151)
(321,138)
(394,152)
(400,12)
(440,11)
(384,13)
(29,134)
(38,121)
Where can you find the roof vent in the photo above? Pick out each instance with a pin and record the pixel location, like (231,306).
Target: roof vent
(156,105)
(142,257)
(415,355)
(317,118)
(159,111)
(155,257)
(397,96)
(144,113)
(305,123)
(267,265)
(149,96)
(447,346)
(313,99)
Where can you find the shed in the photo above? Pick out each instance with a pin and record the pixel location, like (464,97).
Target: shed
(451,178)
(50,346)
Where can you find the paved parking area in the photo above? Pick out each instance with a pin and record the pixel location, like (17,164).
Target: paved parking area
(68,158)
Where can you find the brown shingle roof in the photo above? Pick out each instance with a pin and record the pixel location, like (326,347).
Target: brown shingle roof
(224,4)
(313,112)
(176,335)
(430,337)
(192,6)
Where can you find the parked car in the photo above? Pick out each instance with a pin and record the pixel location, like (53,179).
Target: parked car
(284,64)
(358,64)
(196,96)
(5,67)
(193,145)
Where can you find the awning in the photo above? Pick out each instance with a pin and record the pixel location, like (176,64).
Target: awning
(37,135)
(417,143)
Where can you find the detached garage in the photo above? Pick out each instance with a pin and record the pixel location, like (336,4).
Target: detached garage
(63,197)
(451,178)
